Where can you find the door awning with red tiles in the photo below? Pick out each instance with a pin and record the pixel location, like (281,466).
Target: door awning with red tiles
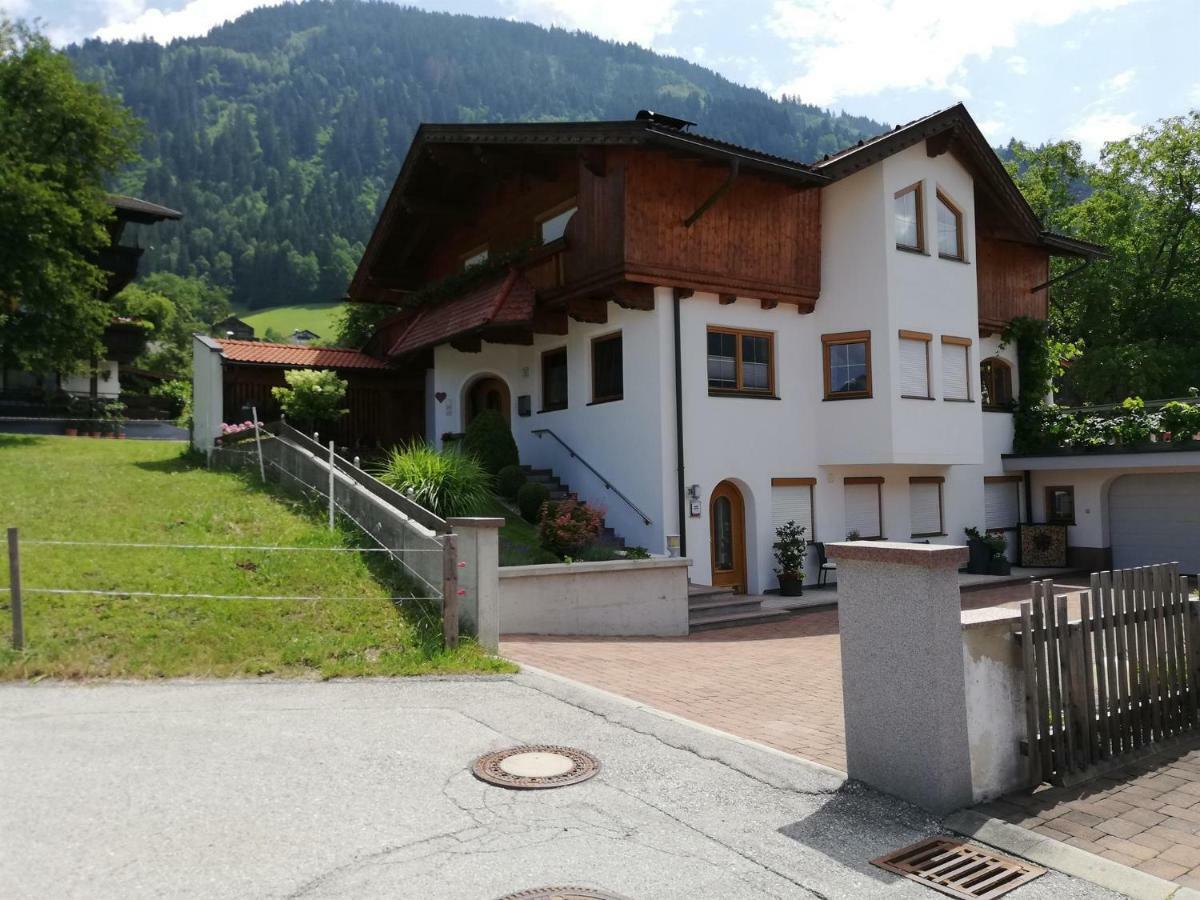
(506,301)
(261,353)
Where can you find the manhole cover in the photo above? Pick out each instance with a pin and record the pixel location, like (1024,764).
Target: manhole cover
(537,766)
(562,893)
(959,869)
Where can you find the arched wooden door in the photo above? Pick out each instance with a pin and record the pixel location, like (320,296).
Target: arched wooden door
(488,392)
(727,523)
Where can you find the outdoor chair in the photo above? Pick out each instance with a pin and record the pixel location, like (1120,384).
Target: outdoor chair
(823,562)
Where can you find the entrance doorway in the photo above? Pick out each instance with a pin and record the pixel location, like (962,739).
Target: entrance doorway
(488,392)
(727,521)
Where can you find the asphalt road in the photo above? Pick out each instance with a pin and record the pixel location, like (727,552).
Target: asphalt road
(363,789)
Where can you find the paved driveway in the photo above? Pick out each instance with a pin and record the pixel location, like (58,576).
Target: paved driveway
(779,683)
(362,789)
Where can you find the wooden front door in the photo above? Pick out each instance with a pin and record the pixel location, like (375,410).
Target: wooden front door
(727,522)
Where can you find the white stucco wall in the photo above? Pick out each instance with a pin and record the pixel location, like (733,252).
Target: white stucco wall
(995,693)
(207,392)
(108,381)
(619,597)
(622,439)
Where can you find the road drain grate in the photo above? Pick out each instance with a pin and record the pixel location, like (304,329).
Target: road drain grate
(562,893)
(536,766)
(959,869)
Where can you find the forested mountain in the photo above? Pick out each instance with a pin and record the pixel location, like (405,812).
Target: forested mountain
(279,134)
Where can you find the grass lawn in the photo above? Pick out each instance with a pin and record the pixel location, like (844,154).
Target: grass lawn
(316,317)
(146,491)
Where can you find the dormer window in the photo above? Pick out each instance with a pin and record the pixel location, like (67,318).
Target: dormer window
(910,230)
(476,257)
(552,224)
(950,229)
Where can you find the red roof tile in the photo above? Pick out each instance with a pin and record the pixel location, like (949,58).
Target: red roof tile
(264,354)
(506,301)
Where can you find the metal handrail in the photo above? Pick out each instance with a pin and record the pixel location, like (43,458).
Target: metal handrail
(373,485)
(607,484)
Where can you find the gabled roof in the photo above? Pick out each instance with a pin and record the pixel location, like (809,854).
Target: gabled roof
(507,300)
(261,353)
(141,211)
(956,126)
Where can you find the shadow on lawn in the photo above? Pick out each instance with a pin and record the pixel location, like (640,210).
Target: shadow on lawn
(17,440)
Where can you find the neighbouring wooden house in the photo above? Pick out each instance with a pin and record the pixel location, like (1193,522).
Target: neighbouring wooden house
(124,339)
(233,328)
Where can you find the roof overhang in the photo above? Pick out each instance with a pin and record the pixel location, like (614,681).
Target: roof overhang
(1147,458)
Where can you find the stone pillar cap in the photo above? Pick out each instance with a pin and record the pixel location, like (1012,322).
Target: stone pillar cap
(476,522)
(927,556)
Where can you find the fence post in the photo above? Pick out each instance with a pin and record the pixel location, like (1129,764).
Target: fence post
(14,582)
(450,590)
(331,485)
(262,472)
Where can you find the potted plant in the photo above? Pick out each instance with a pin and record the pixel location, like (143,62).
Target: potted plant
(790,549)
(853,535)
(71,428)
(93,428)
(998,564)
(980,559)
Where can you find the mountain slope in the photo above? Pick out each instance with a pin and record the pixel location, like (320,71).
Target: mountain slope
(278,134)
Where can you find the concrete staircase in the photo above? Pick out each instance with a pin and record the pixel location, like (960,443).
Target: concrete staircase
(719,607)
(561,491)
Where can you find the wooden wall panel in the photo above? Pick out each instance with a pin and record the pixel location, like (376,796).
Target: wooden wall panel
(384,409)
(761,237)
(1006,271)
(504,219)
(596,236)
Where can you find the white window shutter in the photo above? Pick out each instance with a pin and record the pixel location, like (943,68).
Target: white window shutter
(792,503)
(914,368)
(862,510)
(925,507)
(955,383)
(1001,504)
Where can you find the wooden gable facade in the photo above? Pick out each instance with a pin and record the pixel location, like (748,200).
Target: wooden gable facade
(652,206)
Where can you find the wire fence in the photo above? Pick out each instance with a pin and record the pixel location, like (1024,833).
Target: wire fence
(418,542)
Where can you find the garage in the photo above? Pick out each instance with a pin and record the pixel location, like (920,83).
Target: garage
(1155,518)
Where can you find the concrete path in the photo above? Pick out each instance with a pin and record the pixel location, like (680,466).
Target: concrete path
(362,789)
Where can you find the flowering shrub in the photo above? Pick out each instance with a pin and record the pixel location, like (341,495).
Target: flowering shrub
(1129,424)
(567,526)
(228,431)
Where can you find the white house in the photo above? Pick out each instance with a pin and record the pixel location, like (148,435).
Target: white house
(709,340)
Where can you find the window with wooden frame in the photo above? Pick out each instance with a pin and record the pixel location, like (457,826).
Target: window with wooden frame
(914,365)
(847,365)
(552,224)
(995,384)
(956,366)
(554,379)
(949,229)
(925,507)
(1060,505)
(792,501)
(608,377)
(475,257)
(910,218)
(741,361)
(864,507)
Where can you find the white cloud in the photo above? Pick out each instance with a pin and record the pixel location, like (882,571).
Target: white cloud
(632,21)
(1120,82)
(1018,65)
(993,128)
(848,48)
(1096,129)
(131,19)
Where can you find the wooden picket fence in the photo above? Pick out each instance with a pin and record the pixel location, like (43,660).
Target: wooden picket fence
(1115,683)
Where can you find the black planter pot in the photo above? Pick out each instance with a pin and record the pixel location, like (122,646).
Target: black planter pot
(791,585)
(979,561)
(999,565)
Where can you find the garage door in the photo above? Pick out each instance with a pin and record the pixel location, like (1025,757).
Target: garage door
(1154,519)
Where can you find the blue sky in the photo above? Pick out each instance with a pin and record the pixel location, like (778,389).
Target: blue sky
(1091,70)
